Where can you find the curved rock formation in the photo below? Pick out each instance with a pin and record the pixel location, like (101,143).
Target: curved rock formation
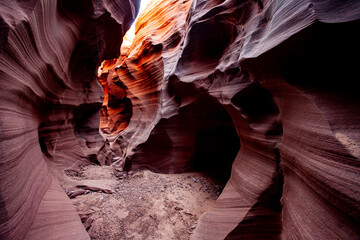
(185,129)
(142,71)
(284,73)
(50,100)
(261,93)
(286,76)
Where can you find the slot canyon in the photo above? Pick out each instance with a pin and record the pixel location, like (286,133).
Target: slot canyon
(218,119)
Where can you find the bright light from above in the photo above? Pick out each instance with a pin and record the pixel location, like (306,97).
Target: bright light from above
(130,34)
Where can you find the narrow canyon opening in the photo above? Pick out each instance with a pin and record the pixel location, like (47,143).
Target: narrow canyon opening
(208,119)
(172,176)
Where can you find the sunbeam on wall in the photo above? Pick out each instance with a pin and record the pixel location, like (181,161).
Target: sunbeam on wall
(130,34)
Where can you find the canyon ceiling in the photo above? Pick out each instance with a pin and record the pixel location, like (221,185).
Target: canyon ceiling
(261,94)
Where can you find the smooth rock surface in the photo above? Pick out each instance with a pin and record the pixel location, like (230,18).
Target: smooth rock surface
(281,75)
(49,107)
(262,94)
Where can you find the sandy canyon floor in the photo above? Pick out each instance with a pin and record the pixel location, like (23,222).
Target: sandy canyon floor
(142,204)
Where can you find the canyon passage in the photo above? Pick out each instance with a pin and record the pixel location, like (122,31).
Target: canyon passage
(215,119)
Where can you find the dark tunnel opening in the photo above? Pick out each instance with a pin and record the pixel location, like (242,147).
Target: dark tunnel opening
(200,138)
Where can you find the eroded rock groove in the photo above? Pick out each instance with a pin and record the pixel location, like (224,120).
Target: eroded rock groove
(261,94)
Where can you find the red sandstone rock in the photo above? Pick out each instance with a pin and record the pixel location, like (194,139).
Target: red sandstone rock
(278,76)
(49,101)
(140,72)
(285,76)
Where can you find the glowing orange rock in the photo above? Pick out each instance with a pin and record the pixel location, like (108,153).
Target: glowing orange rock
(116,109)
(296,174)
(139,72)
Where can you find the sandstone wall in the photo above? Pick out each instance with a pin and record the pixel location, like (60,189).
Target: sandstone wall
(261,93)
(280,74)
(50,100)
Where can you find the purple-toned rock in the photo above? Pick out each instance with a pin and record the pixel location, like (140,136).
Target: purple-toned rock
(278,76)
(49,107)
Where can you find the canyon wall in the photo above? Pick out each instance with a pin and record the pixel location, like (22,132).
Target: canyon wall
(261,94)
(153,120)
(285,73)
(261,91)
(50,100)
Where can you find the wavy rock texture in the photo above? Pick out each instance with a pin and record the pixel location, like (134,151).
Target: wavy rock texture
(174,127)
(286,76)
(282,76)
(261,93)
(50,100)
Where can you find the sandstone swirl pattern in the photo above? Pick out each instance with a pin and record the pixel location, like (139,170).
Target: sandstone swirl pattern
(280,74)
(260,93)
(49,102)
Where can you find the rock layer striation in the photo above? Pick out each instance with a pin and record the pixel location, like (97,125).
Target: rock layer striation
(259,93)
(49,107)
(263,90)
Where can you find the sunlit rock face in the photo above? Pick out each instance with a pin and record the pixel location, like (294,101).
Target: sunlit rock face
(116,109)
(166,125)
(278,77)
(260,93)
(139,72)
(50,101)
